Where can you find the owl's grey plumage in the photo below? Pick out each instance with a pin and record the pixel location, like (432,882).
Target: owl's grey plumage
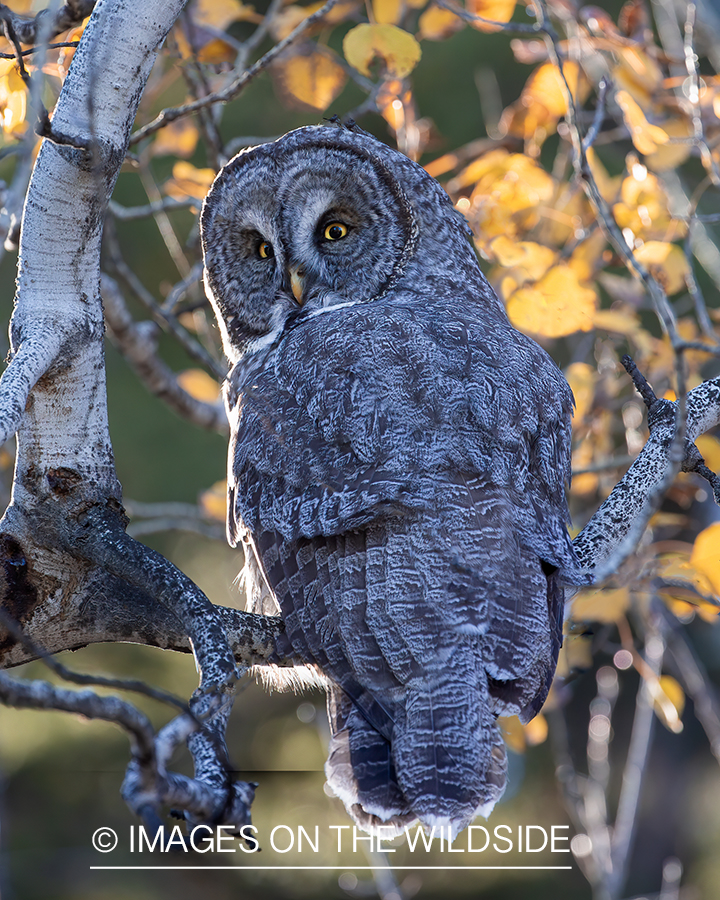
(396,466)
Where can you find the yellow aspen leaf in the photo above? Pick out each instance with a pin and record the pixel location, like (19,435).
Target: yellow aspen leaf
(671,155)
(709,448)
(582,379)
(705,556)
(668,702)
(287,20)
(616,321)
(600,606)
(608,187)
(638,73)
(199,385)
(536,730)
(532,259)
(666,262)
(556,306)
(546,87)
(646,137)
(215,52)
(416,4)
(488,170)
(221,13)
(13,98)
(587,255)
(179,138)
(291,16)
(441,165)
(213,501)
(187,181)
(585,484)
(708,612)
(643,205)
(310,79)
(436,24)
(387,12)
(513,733)
(398,49)
(494,10)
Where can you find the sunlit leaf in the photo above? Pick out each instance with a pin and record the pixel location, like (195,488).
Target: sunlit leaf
(582,379)
(587,255)
(398,49)
(179,138)
(616,321)
(387,12)
(671,155)
(705,556)
(709,447)
(668,702)
(291,16)
(199,385)
(215,52)
(646,137)
(310,79)
(220,13)
(13,98)
(436,24)
(637,73)
(213,501)
(533,260)
(494,10)
(600,606)
(666,262)
(556,306)
(608,187)
(643,206)
(187,181)
(546,87)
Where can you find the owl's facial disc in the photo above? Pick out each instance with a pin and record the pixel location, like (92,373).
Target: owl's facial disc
(344,226)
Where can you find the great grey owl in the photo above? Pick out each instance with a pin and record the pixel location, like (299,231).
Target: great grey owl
(397,466)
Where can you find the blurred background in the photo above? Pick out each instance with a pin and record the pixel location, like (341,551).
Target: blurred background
(644,650)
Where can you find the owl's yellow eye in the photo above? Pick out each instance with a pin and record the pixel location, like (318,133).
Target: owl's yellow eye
(265,250)
(335,231)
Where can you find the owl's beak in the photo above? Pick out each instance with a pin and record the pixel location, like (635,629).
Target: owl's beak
(297,281)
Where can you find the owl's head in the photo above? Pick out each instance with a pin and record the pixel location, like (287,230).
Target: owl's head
(322,217)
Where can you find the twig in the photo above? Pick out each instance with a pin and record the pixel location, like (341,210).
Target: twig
(165,320)
(129,213)
(233,89)
(30,51)
(138,344)
(121,684)
(46,23)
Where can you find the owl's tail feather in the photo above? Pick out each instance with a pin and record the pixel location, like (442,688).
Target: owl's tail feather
(448,751)
(360,769)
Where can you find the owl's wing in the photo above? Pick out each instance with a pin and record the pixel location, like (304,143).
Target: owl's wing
(403,481)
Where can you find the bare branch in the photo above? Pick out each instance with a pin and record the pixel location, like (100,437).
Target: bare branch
(31,30)
(33,359)
(233,89)
(138,344)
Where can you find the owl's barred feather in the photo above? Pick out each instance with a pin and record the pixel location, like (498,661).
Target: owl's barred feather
(396,468)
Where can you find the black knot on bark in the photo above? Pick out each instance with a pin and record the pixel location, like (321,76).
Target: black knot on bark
(63,481)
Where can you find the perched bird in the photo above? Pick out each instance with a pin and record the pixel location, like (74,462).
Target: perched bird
(396,470)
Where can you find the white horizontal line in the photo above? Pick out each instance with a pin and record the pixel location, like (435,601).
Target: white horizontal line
(343,868)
